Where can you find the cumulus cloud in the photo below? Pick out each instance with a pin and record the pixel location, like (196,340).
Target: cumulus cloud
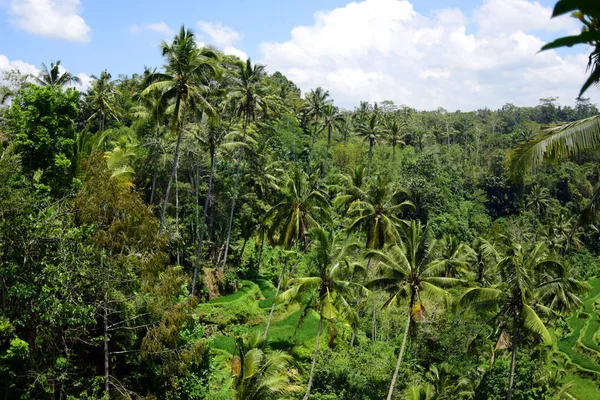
(158,27)
(57,19)
(219,34)
(379,50)
(24,69)
(230,50)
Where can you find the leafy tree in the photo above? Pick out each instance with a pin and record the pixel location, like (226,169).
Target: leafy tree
(331,119)
(370,131)
(100,100)
(395,131)
(317,99)
(41,128)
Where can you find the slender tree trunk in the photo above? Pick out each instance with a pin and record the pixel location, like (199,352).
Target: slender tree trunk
(374,321)
(105,338)
(260,252)
(394,152)
(155,167)
(285,263)
(395,377)
(170,183)
(177,210)
(310,154)
(235,187)
(314,360)
(513,360)
(370,153)
(203,223)
(327,151)
(243,246)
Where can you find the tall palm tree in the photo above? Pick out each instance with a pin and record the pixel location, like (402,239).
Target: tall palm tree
(184,84)
(527,279)
(101,100)
(538,200)
(486,258)
(53,77)
(331,119)
(409,270)
(316,100)
(328,287)
(289,221)
(353,189)
(211,135)
(370,131)
(395,133)
(152,106)
(261,373)
(248,97)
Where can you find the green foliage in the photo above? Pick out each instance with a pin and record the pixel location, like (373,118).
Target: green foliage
(41,126)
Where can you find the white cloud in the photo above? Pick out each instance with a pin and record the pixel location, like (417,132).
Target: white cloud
(158,27)
(28,69)
(58,19)
(230,50)
(383,49)
(219,34)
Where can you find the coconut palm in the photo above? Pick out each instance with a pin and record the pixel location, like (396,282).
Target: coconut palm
(100,100)
(183,84)
(353,189)
(485,260)
(53,77)
(331,119)
(210,135)
(409,270)
(261,373)
(370,131)
(316,100)
(395,132)
(328,287)
(248,97)
(538,200)
(152,106)
(530,283)
(455,256)
(289,221)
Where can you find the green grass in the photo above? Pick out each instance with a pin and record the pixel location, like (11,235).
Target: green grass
(259,296)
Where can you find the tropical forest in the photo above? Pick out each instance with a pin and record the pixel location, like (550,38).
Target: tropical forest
(203,229)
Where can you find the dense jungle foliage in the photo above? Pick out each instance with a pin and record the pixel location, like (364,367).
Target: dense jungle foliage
(207,231)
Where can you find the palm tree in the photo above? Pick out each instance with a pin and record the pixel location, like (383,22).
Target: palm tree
(331,119)
(289,221)
(248,98)
(370,131)
(586,12)
(353,189)
(538,200)
(410,270)
(327,287)
(455,256)
(211,135)
(529,281)
(184,85)
(261,373)
(485,260)
(395,134)
(154,107)
(101,99)
(316,100)
(53,77)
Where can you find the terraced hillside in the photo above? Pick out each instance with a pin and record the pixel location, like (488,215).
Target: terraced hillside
(579,349)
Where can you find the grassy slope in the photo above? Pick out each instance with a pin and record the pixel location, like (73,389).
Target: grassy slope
(583,368)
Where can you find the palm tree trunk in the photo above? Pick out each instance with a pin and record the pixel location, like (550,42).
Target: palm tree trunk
(395,377)
(327,151)
(155,167)
(310,154)
(314,360)
(394,152)
(203,223)
(170,183)
(105,338)
(260,252)
(233,198)
(370,153)
(513,360)
(285,263)
(374,321)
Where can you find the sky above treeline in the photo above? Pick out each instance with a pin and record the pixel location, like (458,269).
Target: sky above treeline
(454,54)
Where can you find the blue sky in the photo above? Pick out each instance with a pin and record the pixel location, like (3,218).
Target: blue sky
(449,53)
